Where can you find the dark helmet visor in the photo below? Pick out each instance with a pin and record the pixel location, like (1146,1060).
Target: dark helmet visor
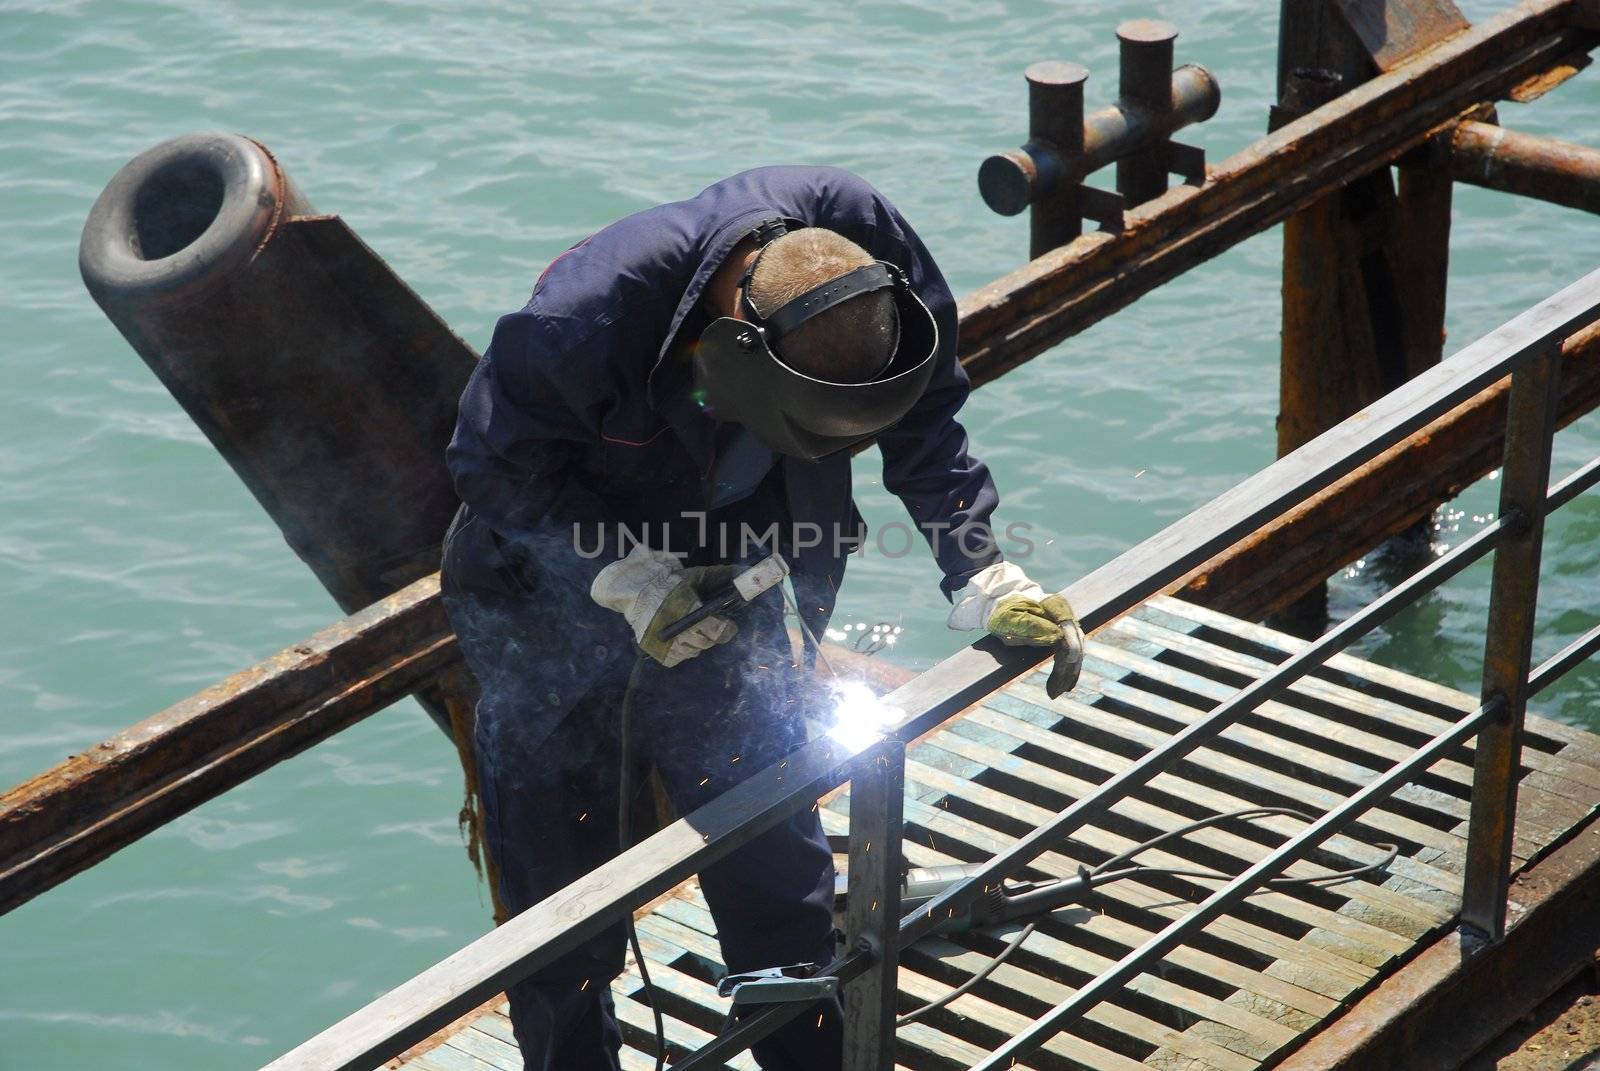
(743,380)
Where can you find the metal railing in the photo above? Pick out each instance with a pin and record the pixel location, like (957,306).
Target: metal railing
(1526,348)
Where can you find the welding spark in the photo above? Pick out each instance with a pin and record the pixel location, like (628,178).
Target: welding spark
(859,716)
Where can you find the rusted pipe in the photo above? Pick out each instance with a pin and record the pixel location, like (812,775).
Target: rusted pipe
(326,383)
(1011,181)
(1560,172)
(317,374)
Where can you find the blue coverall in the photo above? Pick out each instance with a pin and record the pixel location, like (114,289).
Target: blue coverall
(580,418)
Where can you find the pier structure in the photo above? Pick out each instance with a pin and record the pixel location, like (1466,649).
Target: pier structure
(1188,709)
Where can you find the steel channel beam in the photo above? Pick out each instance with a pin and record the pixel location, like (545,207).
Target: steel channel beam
(1230,895)
(1286,557)
(1495,158)
(1508,646)
(1198,734)
(877,798)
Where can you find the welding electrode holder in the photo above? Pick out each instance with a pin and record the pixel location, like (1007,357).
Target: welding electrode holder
(760,577)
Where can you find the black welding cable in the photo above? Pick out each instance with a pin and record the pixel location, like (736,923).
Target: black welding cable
(624,836)
(965,987)
(1103,874)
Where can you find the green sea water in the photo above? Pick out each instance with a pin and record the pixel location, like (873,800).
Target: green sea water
(469,143)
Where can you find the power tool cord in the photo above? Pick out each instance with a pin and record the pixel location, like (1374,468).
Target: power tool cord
(625,837)
(1104,873)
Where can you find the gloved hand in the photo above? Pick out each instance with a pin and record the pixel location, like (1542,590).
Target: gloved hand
(1013,608)
(651,590)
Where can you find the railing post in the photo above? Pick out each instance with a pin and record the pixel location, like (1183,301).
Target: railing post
(872,917)
(1508,647)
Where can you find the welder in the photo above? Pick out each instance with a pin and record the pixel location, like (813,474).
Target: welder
(684,379)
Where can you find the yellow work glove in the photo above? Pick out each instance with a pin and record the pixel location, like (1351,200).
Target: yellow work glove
(1014,609)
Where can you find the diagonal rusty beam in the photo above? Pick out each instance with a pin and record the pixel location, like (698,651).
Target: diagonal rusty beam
(81,811)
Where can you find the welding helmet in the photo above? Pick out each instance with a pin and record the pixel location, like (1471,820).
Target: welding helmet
(742,379)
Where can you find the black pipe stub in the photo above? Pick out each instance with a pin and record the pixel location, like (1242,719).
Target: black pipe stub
(180,215)
(1005,180)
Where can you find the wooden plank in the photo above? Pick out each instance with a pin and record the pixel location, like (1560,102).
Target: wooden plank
(489,1049)
(1246,763)
(1459,993)
(1238,774)
(1377,712)
(1543,815)
(1405,915)
(1374,944)
(1253,776)
(1292,993)
(1408,692)
(981,841)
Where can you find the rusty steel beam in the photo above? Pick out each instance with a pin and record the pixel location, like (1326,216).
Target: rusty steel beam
(1019,316)
(1460,993)
(79,812)
(1499,159)
(83,810)
(1270,570)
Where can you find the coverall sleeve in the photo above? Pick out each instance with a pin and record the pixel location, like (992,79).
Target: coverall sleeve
(926,462)
(520,428)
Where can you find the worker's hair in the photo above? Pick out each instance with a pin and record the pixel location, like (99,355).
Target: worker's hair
(848,343)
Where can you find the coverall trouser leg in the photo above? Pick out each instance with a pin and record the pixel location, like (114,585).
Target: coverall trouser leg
(550,802)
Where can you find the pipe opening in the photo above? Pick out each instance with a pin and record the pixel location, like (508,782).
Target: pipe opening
(175,206)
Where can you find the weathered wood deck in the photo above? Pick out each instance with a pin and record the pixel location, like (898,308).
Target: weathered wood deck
(1263,977)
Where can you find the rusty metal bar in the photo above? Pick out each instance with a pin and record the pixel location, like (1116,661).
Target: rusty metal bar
(1508,647)
(877,796)
(74,815)
(1275,565)
(1145,957)
(1499,159)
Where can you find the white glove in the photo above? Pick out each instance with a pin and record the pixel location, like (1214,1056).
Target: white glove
(651,589)
(976,602)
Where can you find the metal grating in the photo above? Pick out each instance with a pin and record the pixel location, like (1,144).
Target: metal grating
(1258,979)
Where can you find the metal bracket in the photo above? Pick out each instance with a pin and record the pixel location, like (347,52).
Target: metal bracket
(796,983)
(1188,162)
(1102,206)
